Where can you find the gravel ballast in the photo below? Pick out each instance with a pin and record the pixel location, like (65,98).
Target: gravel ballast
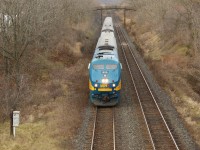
(164,102)
(129,130)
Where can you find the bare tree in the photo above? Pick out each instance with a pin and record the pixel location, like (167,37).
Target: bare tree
(193,18)
(24,24)
(28,27)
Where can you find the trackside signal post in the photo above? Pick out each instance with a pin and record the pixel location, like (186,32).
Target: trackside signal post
(14,122)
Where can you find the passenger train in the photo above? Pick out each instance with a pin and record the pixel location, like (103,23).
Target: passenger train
(105,68)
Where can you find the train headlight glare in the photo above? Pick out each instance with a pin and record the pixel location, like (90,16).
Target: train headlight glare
(96,85)
(104,81)
(114,85)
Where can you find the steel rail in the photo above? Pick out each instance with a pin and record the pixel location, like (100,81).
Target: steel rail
(127,43)
(153,145)
(114,142)
(94,129)
(150,92)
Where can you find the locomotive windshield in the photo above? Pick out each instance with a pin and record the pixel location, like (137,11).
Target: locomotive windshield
(111,66)
(108,66)
(98,66)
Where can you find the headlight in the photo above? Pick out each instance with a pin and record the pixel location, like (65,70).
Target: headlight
(114,85)
(96,85)
(104,81)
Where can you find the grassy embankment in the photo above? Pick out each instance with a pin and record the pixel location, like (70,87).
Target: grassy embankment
(168,49)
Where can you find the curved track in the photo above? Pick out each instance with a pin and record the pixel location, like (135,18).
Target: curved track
(103,137)
(160,135)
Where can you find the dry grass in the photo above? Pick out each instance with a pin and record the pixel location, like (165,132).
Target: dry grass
(53,123)
(51,118)
(52,112)
(175,68)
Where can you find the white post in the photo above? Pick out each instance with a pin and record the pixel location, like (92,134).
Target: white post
(15,121)
(14,131)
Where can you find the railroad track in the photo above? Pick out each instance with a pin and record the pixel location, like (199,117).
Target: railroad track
(103,137)
(160,135)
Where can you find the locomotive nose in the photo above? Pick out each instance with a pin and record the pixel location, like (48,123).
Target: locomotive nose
(105,70)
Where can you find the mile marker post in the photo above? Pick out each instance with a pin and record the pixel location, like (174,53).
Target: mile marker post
(15,121)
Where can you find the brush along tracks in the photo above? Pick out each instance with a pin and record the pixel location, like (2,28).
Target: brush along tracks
(160,135)
(103,137)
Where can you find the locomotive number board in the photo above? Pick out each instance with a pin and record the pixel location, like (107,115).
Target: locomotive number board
(104,85)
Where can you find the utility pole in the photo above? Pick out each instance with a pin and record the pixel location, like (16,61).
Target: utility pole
(101,16)
(125,18)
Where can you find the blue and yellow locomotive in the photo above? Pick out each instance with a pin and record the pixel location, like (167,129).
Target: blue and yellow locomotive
(105,69)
